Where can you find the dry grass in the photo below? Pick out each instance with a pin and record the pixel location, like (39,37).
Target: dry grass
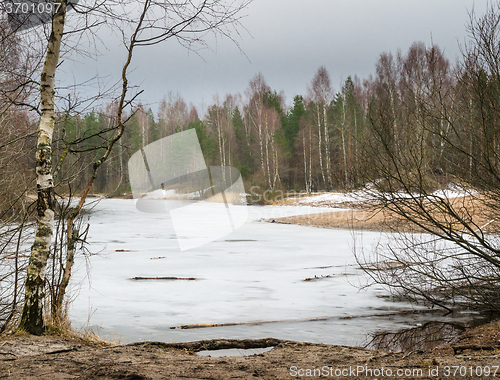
(471,209)
(60,326)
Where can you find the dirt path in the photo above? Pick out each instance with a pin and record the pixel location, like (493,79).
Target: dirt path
(55,357)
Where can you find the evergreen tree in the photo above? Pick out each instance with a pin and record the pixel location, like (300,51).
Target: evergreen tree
(291,128)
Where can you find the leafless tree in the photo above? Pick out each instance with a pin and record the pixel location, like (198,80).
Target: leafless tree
(141,23)
(18,63)
(320,95)
(256,94)
(432,129)
(172,115)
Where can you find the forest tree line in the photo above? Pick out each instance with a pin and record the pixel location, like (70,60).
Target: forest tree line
(324,141)
(309,146)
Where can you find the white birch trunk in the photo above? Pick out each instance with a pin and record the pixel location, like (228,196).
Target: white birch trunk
(261,143)
(395,124)
(327,149)
(305,163)
(277,178)
(32,317)
(346,173)
(310,159)
(319,144)
(268,168)
(356,164)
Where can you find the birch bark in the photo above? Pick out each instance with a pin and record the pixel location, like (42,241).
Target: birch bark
(306,181)
(327,145)
(343,129)
(320,147)
(32,317)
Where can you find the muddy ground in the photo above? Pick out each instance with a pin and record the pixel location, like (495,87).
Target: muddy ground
(473,355)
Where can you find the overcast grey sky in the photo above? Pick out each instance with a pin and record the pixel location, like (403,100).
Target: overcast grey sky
(287,40)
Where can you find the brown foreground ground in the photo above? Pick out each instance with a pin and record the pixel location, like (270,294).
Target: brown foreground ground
(474,355)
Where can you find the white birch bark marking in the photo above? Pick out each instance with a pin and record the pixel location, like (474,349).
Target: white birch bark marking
(32,317)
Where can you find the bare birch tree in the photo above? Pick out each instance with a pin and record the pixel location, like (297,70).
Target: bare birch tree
(320,93)
(457,260)
(18,62)
(142,23)
(172,115)
(32,318)
(256,93)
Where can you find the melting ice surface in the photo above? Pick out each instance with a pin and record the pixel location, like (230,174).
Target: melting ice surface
(256,273)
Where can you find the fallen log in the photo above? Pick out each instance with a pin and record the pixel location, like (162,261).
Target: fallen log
(165,278)
(315,319)
(473,347)
(74,348)
(219,344)
(318,278)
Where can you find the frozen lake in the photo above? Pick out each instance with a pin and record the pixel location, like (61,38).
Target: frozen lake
(256,273)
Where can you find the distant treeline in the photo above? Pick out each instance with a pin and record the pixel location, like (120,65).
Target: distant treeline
(414,107)
(311,145)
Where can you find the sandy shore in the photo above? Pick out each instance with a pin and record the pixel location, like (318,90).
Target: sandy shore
(360,219)
(371,218)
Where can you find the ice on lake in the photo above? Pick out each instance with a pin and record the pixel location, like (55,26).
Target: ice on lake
(256,273)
